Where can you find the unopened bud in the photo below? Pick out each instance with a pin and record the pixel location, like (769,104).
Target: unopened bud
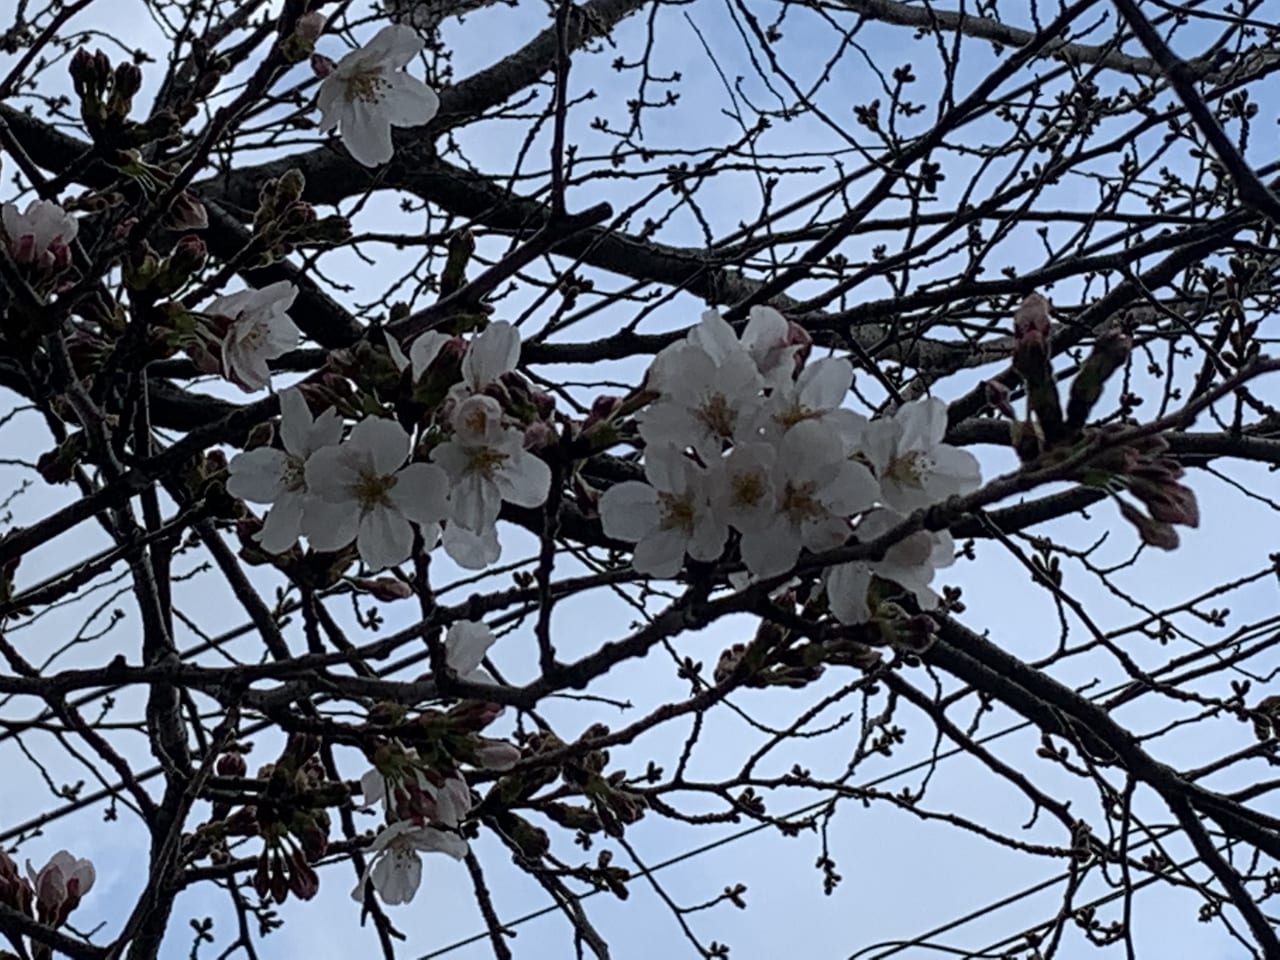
(231,765)
(998,395)
(188,213)
(321,65)
(1032,315)
(539,435)
(126,83)
(1153,532)
(290,186)
(1109,354)
(385,588)
(497,754)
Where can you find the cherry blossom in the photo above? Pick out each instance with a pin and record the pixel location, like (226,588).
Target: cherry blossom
(59,886)
(491,353)
(910,563)
(41,235)
(815,395)
(395,864)
(816,489)
(914,466)
(465,645)
(487,463)
(407,793)
(742,490)
(278,477)
(766,340)
(367,93)
(260,330)
(667,517)
(704,404)
(363,491)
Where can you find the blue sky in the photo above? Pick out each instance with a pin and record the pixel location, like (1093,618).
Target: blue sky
(901,876)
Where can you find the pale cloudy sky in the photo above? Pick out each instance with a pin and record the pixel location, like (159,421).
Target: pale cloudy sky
(902,876)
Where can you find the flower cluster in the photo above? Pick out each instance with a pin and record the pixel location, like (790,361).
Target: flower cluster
(366,488)
(40,236)
(746,437)
(425,804)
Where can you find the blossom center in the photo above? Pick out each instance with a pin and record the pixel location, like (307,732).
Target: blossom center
(747,489)
(795,413)
(294,475)
(718,415)
(676,511)
(485,461)
(908,468)
(372,490)
(799,502)
(367,85)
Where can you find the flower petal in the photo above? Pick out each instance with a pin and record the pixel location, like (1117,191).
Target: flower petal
(629,511)
(470,549)
(385,538)
(384,441)
(330,526)
(283,523)
(257,475)
(465,645)
(407,101)
(366,134)
(661,553)
(491,354)
(421,493)
(525,480)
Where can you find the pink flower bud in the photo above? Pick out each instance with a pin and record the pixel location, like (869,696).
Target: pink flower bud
(998,396)
(15,890)
(603,407)
(539,435)
(231,765)
(497,754)
(59,885)
(1032,315)
(386,589)
(321,65)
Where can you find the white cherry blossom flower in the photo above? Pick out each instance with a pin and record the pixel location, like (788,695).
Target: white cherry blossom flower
(260,330)
(395,864)
(914,466)
(667,517)
(278,477)
(362,491)
(815,395)
(817,490)
(910,563)
(367,93)
(765,340)
(487,463)
(742,487)
(40,235)
(704,404)
(465,644)
(490,354)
